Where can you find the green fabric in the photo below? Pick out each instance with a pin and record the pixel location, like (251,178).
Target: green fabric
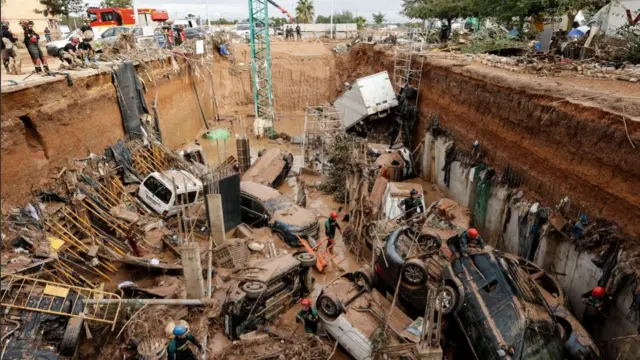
(217,134)
(483,194)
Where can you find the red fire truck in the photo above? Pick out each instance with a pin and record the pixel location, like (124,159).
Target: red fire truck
(104,18)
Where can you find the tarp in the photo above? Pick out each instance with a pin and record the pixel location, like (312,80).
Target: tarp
(120,153)
(614,16)
(130,98)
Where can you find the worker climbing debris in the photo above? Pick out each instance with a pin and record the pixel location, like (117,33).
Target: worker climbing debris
(411,205)
(178,348)
(469,238)
(10,58)
(596,309)
(31,39)
(308,315)
(330,227)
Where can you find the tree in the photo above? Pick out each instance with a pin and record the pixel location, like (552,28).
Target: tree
(378,18)
(61,7)
(190,16)
(360,22)
(346,17)
(116,4)
(305,11)
(277,21)
(321,19)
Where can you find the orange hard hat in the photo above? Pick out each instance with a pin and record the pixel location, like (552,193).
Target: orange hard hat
(597,292)
(334,215)
(473,233)
(306,302)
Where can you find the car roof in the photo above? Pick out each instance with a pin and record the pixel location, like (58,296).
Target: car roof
(180,177)
(262,192)
(268,269)
(399,189)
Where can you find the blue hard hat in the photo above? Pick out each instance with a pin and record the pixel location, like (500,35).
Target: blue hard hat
(179,330)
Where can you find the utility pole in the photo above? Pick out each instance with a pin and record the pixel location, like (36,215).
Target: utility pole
(208,15)
(135,12)
(331,19)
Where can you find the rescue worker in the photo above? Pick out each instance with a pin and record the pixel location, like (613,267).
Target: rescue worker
(593,316)
(309,315)
(330,227)
(69,55)
(88,50)
(411,204)
(178,37)
(47,34)
(298,32)
(444,32)
(178,348)
(469,238)
(31,39)
(8,50)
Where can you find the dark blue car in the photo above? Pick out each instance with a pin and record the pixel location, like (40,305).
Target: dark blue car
(264,206)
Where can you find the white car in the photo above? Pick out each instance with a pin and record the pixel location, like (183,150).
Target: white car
(157,191)
(53,46)
(393,196)
(353,313)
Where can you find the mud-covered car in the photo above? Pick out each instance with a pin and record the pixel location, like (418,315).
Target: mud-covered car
(39,335)
(263,291)
(504,316)
(263,206)
(416,259)
(577,341)
(354,314)
(270,168)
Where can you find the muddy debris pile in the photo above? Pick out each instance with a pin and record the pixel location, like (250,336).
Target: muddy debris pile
(545,67)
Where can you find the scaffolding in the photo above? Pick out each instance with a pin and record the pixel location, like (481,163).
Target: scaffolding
(407,68)
(261,65)
(321,124)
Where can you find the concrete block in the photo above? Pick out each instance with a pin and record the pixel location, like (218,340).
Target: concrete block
(428,158)
(511,235)
(439,147)
(462,188)
(492,227)
(192,268)
(216,218)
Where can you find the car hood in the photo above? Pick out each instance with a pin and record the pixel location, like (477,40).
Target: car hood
(295,217)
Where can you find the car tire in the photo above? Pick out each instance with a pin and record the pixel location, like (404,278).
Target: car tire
(307,259)
(414,272)
(367,276)
(254,289)
(371,233)
(71,337)
(451,297)
(327,306)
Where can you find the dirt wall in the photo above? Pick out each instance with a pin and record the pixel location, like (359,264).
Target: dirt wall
(45,126)
(560,141)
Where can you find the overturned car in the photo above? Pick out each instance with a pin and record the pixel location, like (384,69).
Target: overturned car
(265,290)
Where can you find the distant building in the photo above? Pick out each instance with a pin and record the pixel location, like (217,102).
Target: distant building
(15,10)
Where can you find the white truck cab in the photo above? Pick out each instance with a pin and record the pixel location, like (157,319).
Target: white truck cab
(157,191)
(394,194)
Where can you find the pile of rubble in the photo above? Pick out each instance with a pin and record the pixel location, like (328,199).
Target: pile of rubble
(530,65)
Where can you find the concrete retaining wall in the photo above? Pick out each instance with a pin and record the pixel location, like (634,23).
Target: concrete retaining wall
(501,228)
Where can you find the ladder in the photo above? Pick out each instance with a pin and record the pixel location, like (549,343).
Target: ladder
(261,63)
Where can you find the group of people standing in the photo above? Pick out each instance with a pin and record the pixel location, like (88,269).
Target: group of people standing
(174,34)
(31,41)
(288,32)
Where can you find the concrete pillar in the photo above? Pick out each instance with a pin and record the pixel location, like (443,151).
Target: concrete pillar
(192,268)
(492,227)
(215,218)
(427,157)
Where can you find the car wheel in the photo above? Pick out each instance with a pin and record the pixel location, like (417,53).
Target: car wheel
(363,277)
(307,259)
(254,289)
(414,272)
(430,242)
(449,299)
(71,336)
(327,306)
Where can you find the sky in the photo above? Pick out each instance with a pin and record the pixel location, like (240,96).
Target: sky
(238,9)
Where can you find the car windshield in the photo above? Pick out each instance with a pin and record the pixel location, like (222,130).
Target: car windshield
(280,203)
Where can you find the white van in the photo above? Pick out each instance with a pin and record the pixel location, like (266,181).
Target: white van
(157,190)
